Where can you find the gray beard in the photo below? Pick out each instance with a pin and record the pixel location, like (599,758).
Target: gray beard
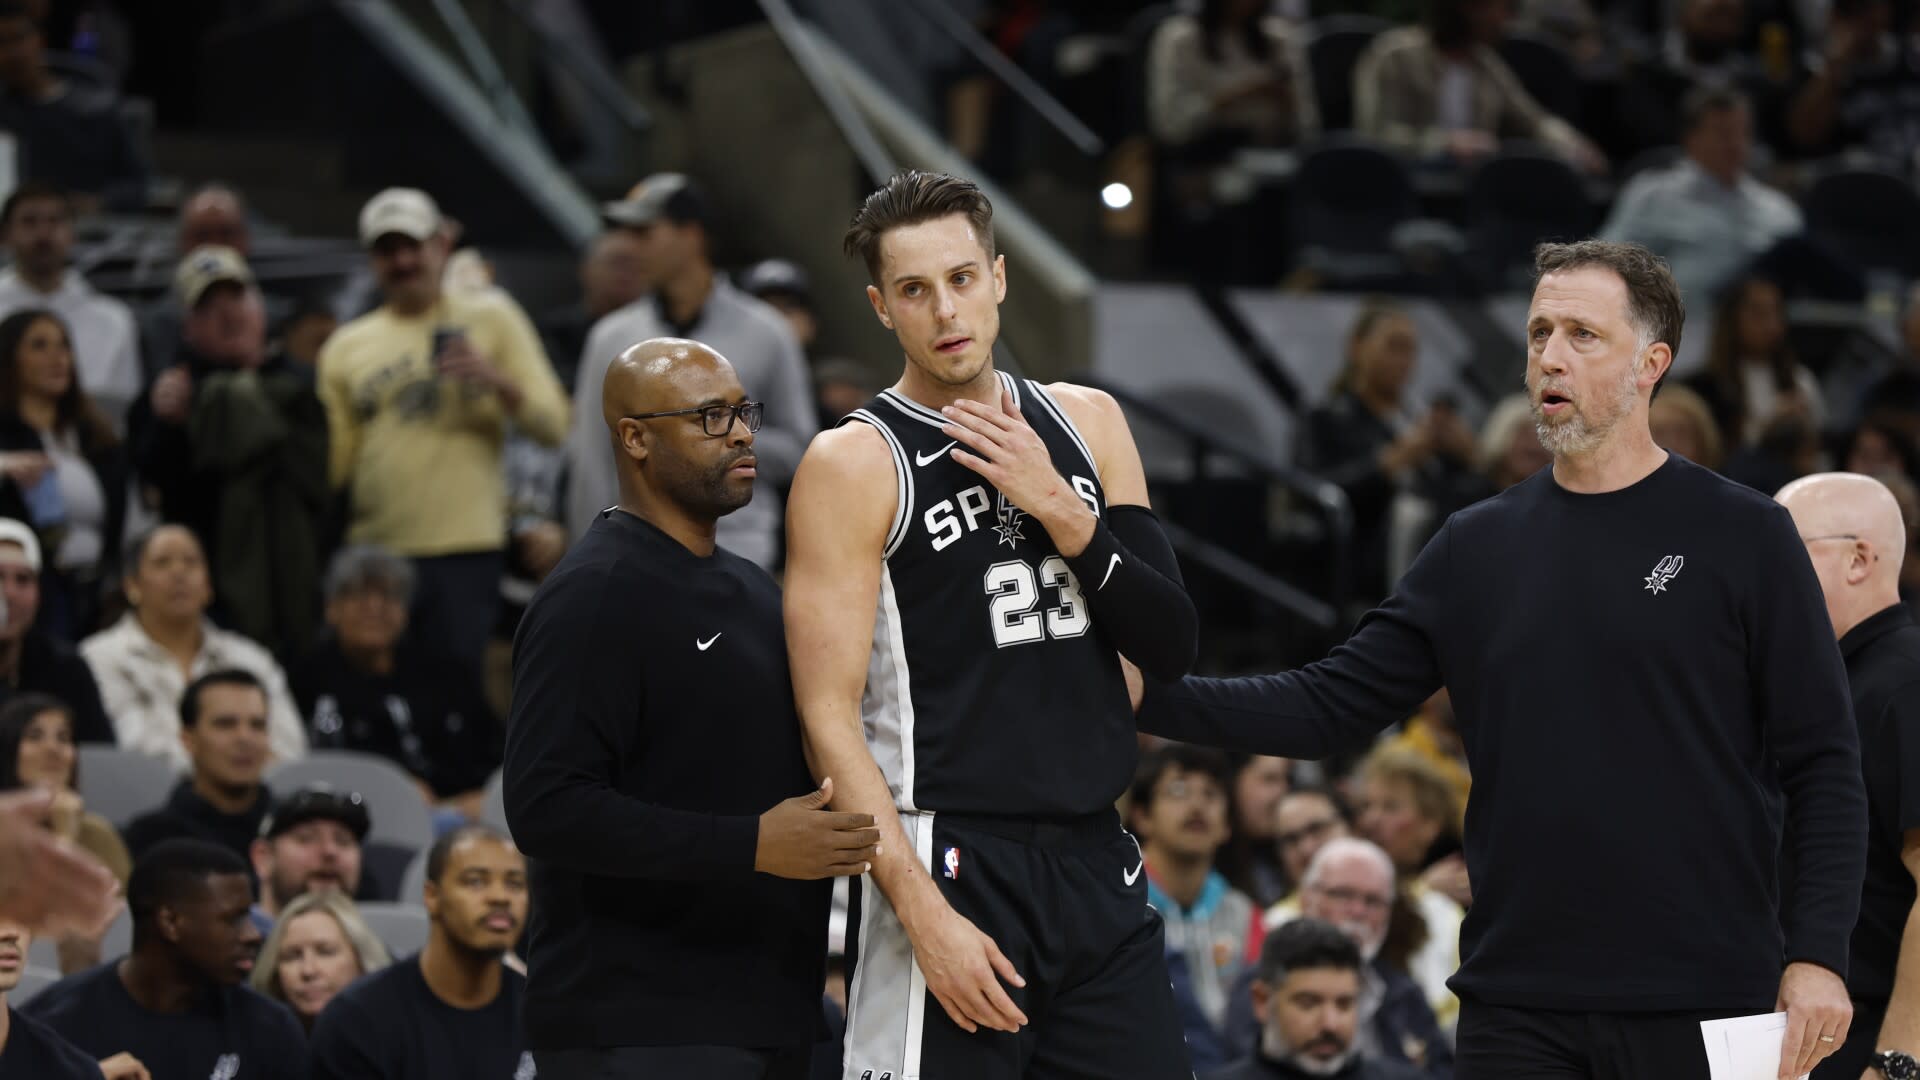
(1275,1047)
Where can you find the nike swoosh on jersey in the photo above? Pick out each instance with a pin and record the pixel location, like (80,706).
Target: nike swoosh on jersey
(702,645)
(923,460)
(1112,561)
(1133,875)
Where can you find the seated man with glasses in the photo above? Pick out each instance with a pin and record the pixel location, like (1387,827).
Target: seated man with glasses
(1350,884)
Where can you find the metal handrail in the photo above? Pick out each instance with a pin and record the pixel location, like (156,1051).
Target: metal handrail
(593,75)
(1036,96)
(1321,614)
(486,69)
(1324,495)
(794,34)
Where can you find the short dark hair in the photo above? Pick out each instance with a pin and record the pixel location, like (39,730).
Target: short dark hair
(1321,791)
(442,849)
(1304,945)
(33,191)
(1653,297)
(135,551)
(15,715)
(1197,759)
(190,699)
(173,871)
(912,197)
(1709,98)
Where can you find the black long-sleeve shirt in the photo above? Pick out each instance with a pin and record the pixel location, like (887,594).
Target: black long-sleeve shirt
(1638,677)
(653,722)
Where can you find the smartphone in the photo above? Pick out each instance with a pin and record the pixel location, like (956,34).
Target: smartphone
(442,337)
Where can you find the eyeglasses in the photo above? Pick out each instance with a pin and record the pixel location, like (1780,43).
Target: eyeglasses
(1312,830)
(717,420)
(1370,901)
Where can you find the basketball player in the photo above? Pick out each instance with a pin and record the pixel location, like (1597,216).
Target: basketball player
(966,555)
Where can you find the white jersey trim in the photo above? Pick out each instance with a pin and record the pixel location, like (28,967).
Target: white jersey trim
(902,482)
(1046,400)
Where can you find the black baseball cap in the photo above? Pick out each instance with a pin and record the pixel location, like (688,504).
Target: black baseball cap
(318,802)
(777,277)
(660,197)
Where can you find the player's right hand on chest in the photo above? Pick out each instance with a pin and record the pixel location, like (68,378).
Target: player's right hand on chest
(800,838)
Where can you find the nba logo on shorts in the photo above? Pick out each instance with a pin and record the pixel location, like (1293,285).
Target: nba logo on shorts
(952,863)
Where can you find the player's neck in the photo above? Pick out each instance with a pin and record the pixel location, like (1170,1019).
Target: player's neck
(915,386)
(1616,464)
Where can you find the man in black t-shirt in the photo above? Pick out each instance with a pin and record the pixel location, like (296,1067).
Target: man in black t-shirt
(28,1051)
(223,725)
(452,1012)
(176,1001)
(1852,527)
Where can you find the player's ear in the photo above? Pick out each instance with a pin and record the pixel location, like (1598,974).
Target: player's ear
(879,306)
(999,278)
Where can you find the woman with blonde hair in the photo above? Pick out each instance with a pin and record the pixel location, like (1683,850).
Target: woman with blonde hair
(319,946)
(1683,423)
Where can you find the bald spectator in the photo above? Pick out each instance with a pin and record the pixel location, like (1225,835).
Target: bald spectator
(73,136)
(1853,531)
(692,300)
(37,223)
(233,441)
(612,275)
(420,394)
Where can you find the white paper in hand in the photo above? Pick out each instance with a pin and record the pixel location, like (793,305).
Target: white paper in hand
(1744,1047)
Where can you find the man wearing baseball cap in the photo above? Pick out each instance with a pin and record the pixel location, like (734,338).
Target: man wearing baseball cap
(234,442)
(311,841)
(31,661)
(419,394)
(670,217)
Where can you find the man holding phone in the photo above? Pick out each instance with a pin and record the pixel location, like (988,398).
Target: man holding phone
(419,395)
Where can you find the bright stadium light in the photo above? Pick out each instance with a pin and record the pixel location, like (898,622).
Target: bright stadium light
(1117,196)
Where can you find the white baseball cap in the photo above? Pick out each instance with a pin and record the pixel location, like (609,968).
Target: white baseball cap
(207,266)
(22,534)
(408,211)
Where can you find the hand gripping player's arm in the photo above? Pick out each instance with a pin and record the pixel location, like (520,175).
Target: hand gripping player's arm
(1122,560)
(838,514)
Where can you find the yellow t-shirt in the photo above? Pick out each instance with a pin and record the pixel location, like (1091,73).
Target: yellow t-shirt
(420,453)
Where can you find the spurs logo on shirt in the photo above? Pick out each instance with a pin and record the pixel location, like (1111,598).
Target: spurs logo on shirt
(1665,571)
(226,1068)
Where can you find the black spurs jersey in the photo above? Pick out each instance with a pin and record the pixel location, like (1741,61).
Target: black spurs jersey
(989,689)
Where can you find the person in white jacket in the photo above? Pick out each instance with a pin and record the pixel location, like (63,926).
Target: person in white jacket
(144,661)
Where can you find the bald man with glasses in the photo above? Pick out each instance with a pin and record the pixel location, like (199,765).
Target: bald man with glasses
(679,925)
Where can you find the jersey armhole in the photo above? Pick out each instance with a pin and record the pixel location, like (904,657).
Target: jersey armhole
(902,481)
(1059,414)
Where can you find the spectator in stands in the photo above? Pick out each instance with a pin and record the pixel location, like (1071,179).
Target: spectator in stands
(233,441)
(313,842)
(1861,91)
(223,728)
(1303,821)
(1753,378)
(1350,884)
(1407,807)
(1179,812)
(30,659)
(1509,450)
(612,275)
(1365,439)
(144,661)
(1441,91)
(1683,423)
(1308,1000)
(452,1011)
(1651,106)
(37,221)
(319,945)
(1433,733)
(214,215)
(305,332)
(1705,214)
(1880,450)
(370,688)
(1249,861)
(692,300)
(840,387)
(28,1048)
(419,394)
(69,135)
(37,750)
(62,468)
(176,1002)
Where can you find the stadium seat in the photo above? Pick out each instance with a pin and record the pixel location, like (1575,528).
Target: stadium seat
(1868,217)
(1346,201)
(413,881)
(400,816)
(493,810)
(32,981)
(1514,202)
(1546,71)
(1332,53)
(120,785)
(402,926)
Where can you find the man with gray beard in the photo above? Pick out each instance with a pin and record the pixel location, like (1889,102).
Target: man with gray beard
(1646,683)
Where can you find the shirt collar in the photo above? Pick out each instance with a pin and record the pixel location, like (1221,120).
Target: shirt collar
(1873,628)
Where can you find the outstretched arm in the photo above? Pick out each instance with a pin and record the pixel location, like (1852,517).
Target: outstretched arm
(838,515)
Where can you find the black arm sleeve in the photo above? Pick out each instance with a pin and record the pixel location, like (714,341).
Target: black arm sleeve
(1131,582)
